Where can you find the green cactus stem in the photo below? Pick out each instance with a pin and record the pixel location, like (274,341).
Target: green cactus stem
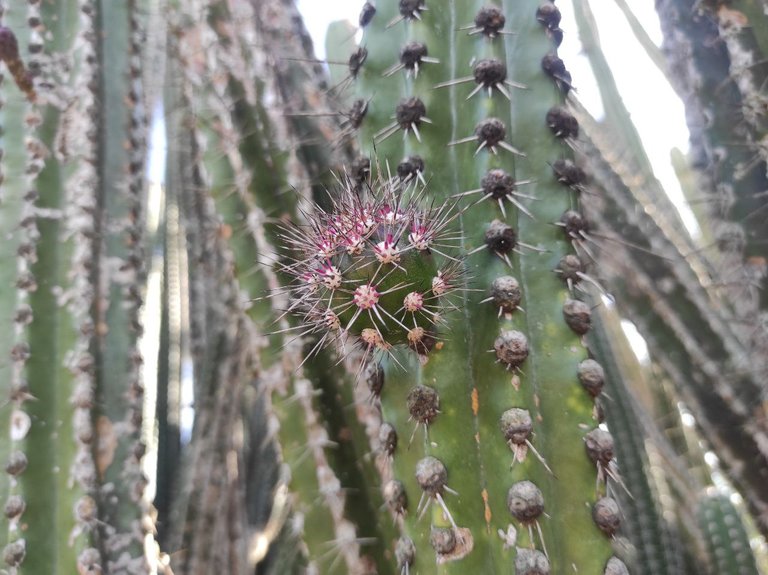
(240,161)
(452,459)
(727,540)
(120,152)
(48,189)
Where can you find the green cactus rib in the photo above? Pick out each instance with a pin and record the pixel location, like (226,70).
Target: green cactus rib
(473,391)
(727,539)
(13,108)
(54,297)
(119,391)
(656,550)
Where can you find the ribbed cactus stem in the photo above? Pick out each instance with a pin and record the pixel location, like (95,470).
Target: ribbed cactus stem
(119,389)
(450,92)
(726,538)
(242,163)
(51,464)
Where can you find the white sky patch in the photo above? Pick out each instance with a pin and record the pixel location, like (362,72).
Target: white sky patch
(158,146)
(318,14)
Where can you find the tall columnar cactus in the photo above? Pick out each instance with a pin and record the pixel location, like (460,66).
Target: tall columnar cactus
(238,150)
(471,100)
(72,486)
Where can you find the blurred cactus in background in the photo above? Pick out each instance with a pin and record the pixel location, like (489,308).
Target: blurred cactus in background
(370,322)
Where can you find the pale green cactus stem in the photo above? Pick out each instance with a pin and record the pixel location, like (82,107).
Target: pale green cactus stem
(15,418)
(239,154)
(120,150)
(47,196)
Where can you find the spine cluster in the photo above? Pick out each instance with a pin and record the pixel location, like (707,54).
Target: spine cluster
(377,267)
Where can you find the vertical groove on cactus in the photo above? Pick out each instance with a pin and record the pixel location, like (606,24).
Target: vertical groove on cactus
(119,390)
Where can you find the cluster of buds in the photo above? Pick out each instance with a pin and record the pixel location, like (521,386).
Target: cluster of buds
(377,267)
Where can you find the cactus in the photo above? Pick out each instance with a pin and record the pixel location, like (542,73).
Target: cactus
(397,364)
(726,537)
(71,188)
(461,481)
